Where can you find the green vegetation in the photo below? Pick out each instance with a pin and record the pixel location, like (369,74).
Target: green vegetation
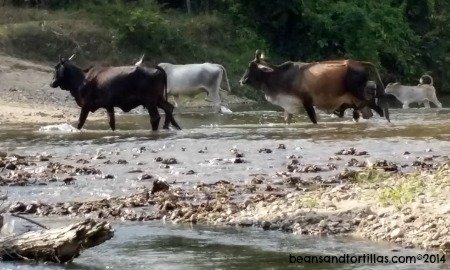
(406,38)
(404,191)
(370,176)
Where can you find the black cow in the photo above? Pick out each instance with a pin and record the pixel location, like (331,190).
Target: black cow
(125,87)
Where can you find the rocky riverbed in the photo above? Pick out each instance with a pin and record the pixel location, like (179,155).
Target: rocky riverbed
(405,203)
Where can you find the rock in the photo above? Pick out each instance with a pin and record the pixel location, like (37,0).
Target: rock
(265,150)
(445,246)
(190,172)
(159,185)
(3,154)
(238,160)
(168,206)
(18,207)
(169,161)
(266,225)
(99,156)
(396,233)
(350,151)
(281,146)
(68,180)
(145,176)
(445,210)
(122,161)
(406,153)
(245,223)
(31,208)
(158,159)
(11,166)
(135,171)
(370,217)
(108,176)
(257,180)
(409,219)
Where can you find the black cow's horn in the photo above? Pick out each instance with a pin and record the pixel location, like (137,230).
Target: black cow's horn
(257,54)
(71,57)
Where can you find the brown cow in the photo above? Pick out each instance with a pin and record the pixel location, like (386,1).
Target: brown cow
(126,87)
(332,86)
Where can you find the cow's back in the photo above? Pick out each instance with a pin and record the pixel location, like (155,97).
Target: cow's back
(124,86)
(190,77)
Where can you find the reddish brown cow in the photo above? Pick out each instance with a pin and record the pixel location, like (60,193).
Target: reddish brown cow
(332,86)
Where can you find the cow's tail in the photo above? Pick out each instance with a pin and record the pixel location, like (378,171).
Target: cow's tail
(380,94)
(226,77)
(165,80)
(426,76)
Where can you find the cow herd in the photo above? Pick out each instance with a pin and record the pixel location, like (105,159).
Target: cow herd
(332,86)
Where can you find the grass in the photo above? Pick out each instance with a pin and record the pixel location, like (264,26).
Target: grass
(370,176)
(311,202)
(404,191)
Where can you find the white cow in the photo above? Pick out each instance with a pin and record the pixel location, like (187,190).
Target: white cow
(193,78)
(421,93)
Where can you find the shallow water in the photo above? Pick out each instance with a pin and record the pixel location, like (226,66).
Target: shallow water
(204,146)
(155,246)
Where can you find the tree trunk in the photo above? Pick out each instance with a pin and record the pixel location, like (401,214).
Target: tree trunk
(188,6)
(59,245)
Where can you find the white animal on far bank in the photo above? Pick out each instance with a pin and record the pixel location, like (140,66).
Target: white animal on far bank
(421,93)
(193,78)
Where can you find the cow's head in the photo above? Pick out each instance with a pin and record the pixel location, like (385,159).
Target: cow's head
(255,72)
(61,78)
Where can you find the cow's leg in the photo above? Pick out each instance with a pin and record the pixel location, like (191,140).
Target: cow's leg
(287,118)
(376,108)
(426,103)
(154,117)
(435,101)
(355,115)
(176,100)
(83,116)
(112,118)
(215,97)
(340,112)
(308,105)
(406,105)
(168,110)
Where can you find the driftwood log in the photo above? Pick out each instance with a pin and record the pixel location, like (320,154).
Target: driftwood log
(59,245)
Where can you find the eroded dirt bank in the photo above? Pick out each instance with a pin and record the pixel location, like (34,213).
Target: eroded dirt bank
(26,95)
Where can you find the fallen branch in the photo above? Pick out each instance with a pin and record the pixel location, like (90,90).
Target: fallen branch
(29,220)
(59,245)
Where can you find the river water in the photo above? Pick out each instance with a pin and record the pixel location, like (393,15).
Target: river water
(203,146)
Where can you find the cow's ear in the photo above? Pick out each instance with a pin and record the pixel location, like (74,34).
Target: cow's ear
(264,68)
(257,55)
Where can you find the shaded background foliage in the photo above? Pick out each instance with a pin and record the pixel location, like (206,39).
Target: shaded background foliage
(406,38)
